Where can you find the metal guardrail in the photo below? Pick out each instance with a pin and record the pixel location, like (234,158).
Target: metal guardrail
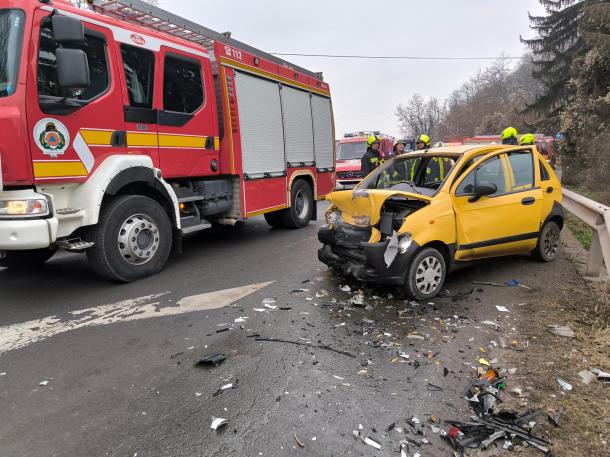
(597,216)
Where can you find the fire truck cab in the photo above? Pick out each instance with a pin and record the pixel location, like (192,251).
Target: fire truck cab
(126,127)
(350,150)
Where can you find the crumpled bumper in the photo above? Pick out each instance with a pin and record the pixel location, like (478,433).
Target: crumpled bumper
(364,261)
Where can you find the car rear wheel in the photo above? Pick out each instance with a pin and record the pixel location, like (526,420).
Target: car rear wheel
(133,239)
(426,274)
(548,245)
(301,206)
(19,260)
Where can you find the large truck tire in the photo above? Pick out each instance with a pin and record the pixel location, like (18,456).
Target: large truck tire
(20,260)
(133,239)
(301,206)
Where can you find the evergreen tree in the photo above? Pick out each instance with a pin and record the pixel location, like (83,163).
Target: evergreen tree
(558,43)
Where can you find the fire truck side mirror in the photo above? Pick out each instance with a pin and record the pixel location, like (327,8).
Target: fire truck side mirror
(72,69)
(67,30)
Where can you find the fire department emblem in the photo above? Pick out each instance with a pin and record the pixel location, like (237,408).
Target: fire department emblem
(51,137)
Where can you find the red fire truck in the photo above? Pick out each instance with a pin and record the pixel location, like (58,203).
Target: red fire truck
(127,126)
(350,150)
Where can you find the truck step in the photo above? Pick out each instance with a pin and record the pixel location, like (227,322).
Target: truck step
(194,198)
(75,245)
(195,228)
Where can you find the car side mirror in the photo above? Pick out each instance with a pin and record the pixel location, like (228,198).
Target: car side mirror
(67,30)
(72,69)
(481,189)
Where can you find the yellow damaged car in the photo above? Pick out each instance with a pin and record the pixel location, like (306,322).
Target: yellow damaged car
(420,215)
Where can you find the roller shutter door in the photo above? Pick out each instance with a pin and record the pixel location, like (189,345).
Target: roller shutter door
(298,129)
(322,132)
(260,119)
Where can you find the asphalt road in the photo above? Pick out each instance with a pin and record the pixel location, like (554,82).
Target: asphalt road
(116,362)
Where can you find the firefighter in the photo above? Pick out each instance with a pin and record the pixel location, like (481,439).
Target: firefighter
(371,158)
(509,136)
(423,142)
(399,147)
(527,140)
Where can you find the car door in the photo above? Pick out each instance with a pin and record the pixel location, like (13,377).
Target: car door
(505,222)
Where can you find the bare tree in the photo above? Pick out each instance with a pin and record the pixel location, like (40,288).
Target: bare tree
(420,116)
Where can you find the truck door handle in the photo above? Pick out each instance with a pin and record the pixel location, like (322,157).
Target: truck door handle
(549,190)
(528,201)
(118,139)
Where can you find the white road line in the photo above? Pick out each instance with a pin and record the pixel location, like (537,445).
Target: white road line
(19,335)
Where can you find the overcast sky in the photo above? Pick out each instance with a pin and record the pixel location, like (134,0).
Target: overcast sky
(365,92)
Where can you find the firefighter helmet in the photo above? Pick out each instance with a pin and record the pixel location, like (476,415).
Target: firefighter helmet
(373,139)
(527,139)
(400,141)
(509,132)
(423,138)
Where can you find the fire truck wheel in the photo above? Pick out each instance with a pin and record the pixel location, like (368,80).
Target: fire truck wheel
(133,239)
(274,219)
(301,207)
(26,259)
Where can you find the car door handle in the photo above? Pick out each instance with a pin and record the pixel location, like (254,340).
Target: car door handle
(549,189)
(528,201)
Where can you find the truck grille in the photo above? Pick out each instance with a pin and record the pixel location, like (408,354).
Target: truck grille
(349,174)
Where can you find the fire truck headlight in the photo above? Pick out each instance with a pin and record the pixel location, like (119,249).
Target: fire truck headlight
(334,217)
(29,207)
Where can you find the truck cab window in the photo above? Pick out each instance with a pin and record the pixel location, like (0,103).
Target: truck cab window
(139,67)
(94,47)
(182,85)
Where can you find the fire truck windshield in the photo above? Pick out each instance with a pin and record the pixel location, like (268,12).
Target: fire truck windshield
(11,39)
(351,151)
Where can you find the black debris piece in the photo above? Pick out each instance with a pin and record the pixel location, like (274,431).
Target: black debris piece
(212,359)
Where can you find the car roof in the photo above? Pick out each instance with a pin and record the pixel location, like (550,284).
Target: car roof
(462,149)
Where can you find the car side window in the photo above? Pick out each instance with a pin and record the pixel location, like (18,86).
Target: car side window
(139,68)
(522,166)
(94,47)
(544,173)
(182,85)
(490,171)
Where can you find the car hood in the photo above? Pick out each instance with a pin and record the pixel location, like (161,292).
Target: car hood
(361,205)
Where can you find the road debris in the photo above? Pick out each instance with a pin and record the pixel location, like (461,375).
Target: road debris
(212,359)
(300,343)
(562,330)
(486,283)
(514,282)
(358,299)
(269,306)
(345,288)
(43,383)
(231,385)
(564,384)
(321,293)
(372,443)
(502,309)
(586,376)
(268,301)
(298,441)
(218,422)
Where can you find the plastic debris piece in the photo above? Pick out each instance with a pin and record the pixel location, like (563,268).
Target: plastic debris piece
(554,418)
(413,336)
(338,377)
(356,433)
(586,376)
(562,330)
(603,376)
(267,305)
(403,452)
(346,288)
(391,251)
(564,384)
(212,359)
(492,323)
(502,309)
(514,282)
(484,362)
(259,310)
(220,330)
(342,324)
(268,301)
(372,443)
(298,441)
(358,299)
(239,320)
(218,422)
(321,293)
(43,383)
(486,283)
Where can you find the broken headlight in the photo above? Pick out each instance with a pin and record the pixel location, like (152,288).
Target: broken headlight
(361,220)
(405,242)
(333,217)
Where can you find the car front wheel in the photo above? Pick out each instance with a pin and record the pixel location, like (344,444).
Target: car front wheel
(426,274)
